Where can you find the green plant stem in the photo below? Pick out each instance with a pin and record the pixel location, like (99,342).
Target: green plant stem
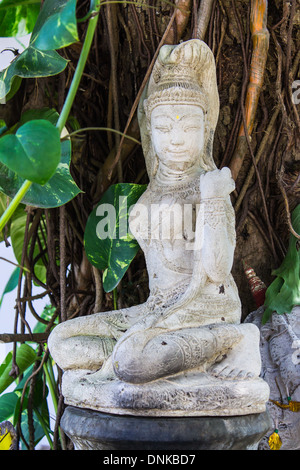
(51,387)
(15,264)
(51,384)
(14,203)
(79,70)
(115,298)
(44,426)
(51,373)
(85,129)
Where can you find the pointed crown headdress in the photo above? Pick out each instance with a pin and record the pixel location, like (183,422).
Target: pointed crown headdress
(183,74)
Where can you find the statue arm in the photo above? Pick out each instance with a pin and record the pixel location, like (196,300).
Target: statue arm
(215,226)
(218,238)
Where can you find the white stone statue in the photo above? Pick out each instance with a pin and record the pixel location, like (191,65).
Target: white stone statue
(184,351)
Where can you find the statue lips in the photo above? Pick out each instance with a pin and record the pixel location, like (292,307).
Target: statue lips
(178,154)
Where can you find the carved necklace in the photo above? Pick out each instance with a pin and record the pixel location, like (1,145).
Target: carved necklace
(185,189)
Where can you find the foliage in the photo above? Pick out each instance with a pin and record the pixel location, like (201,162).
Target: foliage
(55,28)
(11,283)
(25,357)
(34,170)
(18,17)
(35,161)
(108,244)
(60,187)
(14,405)
(284,292)
(21,152)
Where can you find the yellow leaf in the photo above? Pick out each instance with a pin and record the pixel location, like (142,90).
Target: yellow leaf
(5,441)
(294,405)
(281,405)
(274,441)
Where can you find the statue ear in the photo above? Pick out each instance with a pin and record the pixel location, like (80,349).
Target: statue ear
(148,127)
(208,152)
(151,161)
(154,165)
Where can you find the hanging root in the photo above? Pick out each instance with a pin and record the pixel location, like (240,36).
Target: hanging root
(260,40)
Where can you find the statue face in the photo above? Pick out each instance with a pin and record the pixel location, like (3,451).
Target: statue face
(178,135)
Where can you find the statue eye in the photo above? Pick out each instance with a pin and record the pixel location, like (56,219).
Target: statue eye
(191,128)
(163,129)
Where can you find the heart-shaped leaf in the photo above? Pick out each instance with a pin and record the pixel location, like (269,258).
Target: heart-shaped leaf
(56,26)
(18,17)
(284,292)
(8,402)
(32,63)
(108,244)
(25,356)
(60,189)
(33,152)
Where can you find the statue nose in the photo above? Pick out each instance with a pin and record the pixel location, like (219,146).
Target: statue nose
(176,138)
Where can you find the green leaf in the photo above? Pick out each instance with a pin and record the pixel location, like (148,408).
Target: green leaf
(33,152)
(32,63)
(11,283)
(60,189)
(5,363)
(46,314)
(40,390)
(15,85)
(25,356)
(49,114)
(56,26)
(18,17)
(4,201)
(8,403)
(108,244)
(39,404)
(3,127)
(284,292)
(38,428)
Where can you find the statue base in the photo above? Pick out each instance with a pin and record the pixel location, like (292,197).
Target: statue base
(93,430)
(184,395)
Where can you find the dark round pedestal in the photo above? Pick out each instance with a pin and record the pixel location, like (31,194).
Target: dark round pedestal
(93,430)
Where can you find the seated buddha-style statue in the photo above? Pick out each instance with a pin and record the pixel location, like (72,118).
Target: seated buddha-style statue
(183,351)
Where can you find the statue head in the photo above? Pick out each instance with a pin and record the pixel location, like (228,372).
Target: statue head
(184,80)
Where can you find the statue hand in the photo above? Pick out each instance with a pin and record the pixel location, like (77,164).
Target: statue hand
(216,183)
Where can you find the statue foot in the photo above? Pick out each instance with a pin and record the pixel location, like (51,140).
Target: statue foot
(243,361)
(224,371)
(106,373)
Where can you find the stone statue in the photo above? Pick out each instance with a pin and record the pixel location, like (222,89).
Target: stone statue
(280,353)
(184,351)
